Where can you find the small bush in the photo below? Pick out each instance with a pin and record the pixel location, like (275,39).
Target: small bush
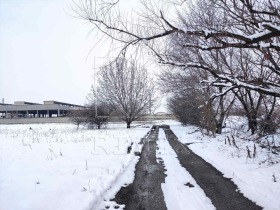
(269,125)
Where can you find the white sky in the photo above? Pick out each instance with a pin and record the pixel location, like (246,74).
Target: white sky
(45,53)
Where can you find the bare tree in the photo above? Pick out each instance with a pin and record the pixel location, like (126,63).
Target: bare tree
(77,116)
(179,80)
(187,107)
(187,94)
(127,88)
(190,101)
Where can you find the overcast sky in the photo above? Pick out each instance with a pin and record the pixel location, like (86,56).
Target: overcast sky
(45,53)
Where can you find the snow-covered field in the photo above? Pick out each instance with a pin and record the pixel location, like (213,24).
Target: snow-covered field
(56,166)
(257,178)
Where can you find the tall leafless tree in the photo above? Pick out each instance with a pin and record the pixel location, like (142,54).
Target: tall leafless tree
(186,95)
(127,88)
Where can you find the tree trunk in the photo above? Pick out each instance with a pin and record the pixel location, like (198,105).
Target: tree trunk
(220,121)
(267,127)
(219,128)
(251,111)
(252,123)
(128,124)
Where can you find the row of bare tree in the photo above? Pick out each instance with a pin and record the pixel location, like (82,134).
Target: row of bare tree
(218,55)
(230,71)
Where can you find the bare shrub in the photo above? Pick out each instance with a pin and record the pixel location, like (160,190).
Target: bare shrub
(78,116)
(97,115)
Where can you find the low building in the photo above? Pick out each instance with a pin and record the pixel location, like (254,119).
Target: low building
(23,109)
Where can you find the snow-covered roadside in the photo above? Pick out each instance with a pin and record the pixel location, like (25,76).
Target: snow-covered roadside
(54,166)
(254,178)
(180,189)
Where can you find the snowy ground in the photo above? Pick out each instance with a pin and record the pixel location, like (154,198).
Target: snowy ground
(257,178)
(56,166)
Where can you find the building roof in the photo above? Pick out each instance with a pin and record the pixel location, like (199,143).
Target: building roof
(60,103)
(4,104)
(27,106)
(24,103)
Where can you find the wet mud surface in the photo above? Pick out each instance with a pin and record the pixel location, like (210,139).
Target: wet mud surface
(145,192)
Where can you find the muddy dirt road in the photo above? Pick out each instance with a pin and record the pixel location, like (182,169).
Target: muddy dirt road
(145,192)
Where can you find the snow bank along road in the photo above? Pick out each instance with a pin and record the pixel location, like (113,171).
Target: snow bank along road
(189,182)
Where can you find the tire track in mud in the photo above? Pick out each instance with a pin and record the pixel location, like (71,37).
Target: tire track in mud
(145,192)
(223,193)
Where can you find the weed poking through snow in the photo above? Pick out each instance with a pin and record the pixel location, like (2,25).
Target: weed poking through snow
(274,178)
(74,172)
(248,152)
